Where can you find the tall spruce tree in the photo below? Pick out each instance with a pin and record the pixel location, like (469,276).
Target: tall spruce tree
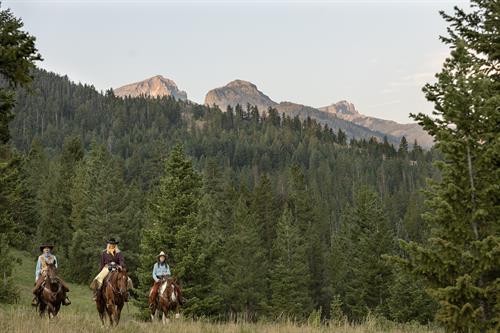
(246,286)
(461,260)
(171,227)
(367,276)
(17,59)
(289,273)
(101,208)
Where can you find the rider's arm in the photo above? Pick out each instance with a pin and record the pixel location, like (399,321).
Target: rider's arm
(155,267)
(168,270)
(120,259)
(38,268)
(55,261)
(102,263)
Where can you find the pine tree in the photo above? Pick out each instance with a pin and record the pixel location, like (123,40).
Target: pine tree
(17,57)
(171,228)
(403,147)
(9,179)
(461,260)
(245,292)
(306,218)
(368,275)
(408,300)
(290,275)
(264,206)
(100,209)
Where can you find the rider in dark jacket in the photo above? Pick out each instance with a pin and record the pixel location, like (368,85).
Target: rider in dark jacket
(111,255)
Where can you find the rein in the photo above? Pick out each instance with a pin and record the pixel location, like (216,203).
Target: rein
(113,289)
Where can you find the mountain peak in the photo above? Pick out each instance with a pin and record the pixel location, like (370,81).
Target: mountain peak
(343,107)
(241,83)
(238,92)
(157,85)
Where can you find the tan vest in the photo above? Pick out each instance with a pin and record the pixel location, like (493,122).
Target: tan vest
(43,260)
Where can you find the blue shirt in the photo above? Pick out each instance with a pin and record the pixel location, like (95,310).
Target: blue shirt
(160,270)
(38,269)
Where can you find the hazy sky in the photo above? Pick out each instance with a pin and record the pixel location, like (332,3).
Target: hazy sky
(376,54)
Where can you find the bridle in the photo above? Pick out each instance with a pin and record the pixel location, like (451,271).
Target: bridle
(113,289)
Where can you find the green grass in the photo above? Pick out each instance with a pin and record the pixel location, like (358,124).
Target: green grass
(81,316)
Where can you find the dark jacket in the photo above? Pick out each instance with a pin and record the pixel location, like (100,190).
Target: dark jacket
(106,258)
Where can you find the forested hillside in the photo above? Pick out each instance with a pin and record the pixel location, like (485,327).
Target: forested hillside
(304,214)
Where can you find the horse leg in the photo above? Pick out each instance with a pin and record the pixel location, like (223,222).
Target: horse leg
(51,310)
(100,310)
(152,314)
(119,312)
(165,318)
(110,307)
(41,308)
(57,308)
(177,314)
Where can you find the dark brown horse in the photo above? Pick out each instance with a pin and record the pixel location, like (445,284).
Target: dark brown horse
(52,295)
(114,293)
(169,298)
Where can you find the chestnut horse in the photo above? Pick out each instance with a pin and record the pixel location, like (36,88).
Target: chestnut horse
(52,294)
(114,293)
(169,298)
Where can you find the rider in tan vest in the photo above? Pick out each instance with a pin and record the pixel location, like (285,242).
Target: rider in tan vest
(40,273)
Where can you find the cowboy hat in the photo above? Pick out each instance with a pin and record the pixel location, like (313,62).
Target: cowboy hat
(112,240)
(43,246)
(161,254)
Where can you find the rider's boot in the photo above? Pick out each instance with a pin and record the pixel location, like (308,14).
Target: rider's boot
(34,302)
(66,301)
(97,291)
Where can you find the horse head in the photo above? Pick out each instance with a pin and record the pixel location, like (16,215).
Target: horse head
(122,280)
(51,271)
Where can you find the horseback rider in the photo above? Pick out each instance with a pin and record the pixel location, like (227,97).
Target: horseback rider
(45,259)
(111,256)
(160,271)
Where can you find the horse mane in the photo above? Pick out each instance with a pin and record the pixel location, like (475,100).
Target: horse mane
(51,268)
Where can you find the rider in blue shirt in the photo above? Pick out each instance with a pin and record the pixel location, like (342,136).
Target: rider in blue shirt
(160,270)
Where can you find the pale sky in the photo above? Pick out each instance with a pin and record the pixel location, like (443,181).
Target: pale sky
(375,54)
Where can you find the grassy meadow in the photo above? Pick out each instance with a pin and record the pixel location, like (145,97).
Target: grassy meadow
(81,316)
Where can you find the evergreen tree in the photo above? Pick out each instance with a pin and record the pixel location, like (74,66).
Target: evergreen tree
(17,57)
(306,218)
(461,260)
(101,208)
(403,147)
(368,275)
(408,300)
(264,205)
(171,227)
(290,275)
(245,281)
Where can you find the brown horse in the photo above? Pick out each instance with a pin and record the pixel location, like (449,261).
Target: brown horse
(52,294)
(113,295)
(169,298)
